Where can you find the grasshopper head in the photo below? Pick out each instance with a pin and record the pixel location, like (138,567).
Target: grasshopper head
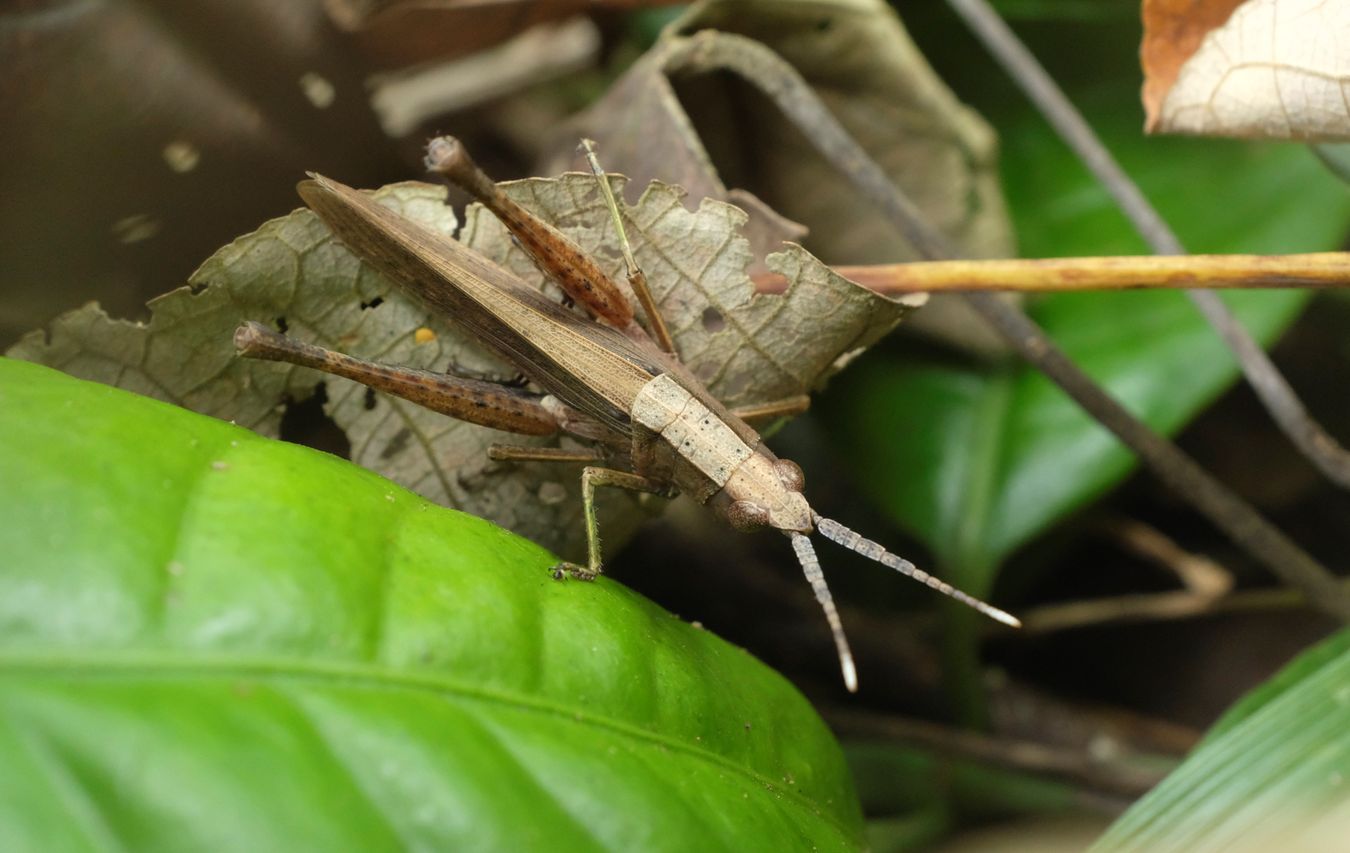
(767,492)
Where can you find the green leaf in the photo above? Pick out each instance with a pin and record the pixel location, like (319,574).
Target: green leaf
(1272,775)
(976,459)
(211,640)
(1324,653)
(1219,195)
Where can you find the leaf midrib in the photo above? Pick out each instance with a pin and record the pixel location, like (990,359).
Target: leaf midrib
(55,665)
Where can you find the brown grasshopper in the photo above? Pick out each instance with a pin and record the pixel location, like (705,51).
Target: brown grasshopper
(651,424)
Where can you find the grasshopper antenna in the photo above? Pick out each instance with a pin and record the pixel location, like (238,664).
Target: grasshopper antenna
(836,532)
(806,555)
(637,279)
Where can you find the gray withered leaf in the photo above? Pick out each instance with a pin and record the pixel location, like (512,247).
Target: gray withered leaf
(292,272)
(679,115)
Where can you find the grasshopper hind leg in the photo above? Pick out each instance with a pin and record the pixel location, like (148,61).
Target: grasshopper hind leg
(474,401)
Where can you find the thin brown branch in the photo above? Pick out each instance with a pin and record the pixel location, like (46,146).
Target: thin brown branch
(1019,709)
(1113,776)
(1156,607)
(1208,589)
(1062,275)
(1119,609)
(1045,93)
(1270,386)
(771,74)
(1200,575)
(780,81)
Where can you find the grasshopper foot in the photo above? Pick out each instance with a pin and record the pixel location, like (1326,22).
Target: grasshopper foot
(561,571)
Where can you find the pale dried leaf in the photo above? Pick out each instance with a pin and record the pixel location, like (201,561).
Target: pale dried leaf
(291,269)
(1274,69)
(1173,29)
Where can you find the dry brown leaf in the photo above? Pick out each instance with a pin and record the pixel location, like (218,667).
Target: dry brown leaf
(130,127)
(714,134)
(749,348)
(1272,69)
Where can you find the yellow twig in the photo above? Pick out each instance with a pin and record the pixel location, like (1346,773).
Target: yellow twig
(1060,275)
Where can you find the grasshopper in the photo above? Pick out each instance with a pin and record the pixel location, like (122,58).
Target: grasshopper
(649,424)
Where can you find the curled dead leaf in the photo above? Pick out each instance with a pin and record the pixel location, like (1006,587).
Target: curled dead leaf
(680,115)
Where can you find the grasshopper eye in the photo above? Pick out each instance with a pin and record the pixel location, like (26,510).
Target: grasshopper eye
(791,474)
(747,516)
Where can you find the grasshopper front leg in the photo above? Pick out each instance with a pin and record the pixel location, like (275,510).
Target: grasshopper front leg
(592,477)
(643,459)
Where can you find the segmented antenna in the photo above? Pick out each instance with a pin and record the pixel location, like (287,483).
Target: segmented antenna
(806,555)
(637,279)
(836,532)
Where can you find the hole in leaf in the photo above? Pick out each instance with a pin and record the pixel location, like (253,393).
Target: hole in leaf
(368,402)
(374,303)
(713,321)
(305,422)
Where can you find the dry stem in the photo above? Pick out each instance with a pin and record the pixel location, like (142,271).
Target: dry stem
(1061,275)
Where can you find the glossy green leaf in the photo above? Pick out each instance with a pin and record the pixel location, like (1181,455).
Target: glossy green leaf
(211,640)
(1219,195)
(976,459)
(1273,775)
(1323,654)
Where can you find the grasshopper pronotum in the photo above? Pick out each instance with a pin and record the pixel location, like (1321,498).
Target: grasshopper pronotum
(651,424)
